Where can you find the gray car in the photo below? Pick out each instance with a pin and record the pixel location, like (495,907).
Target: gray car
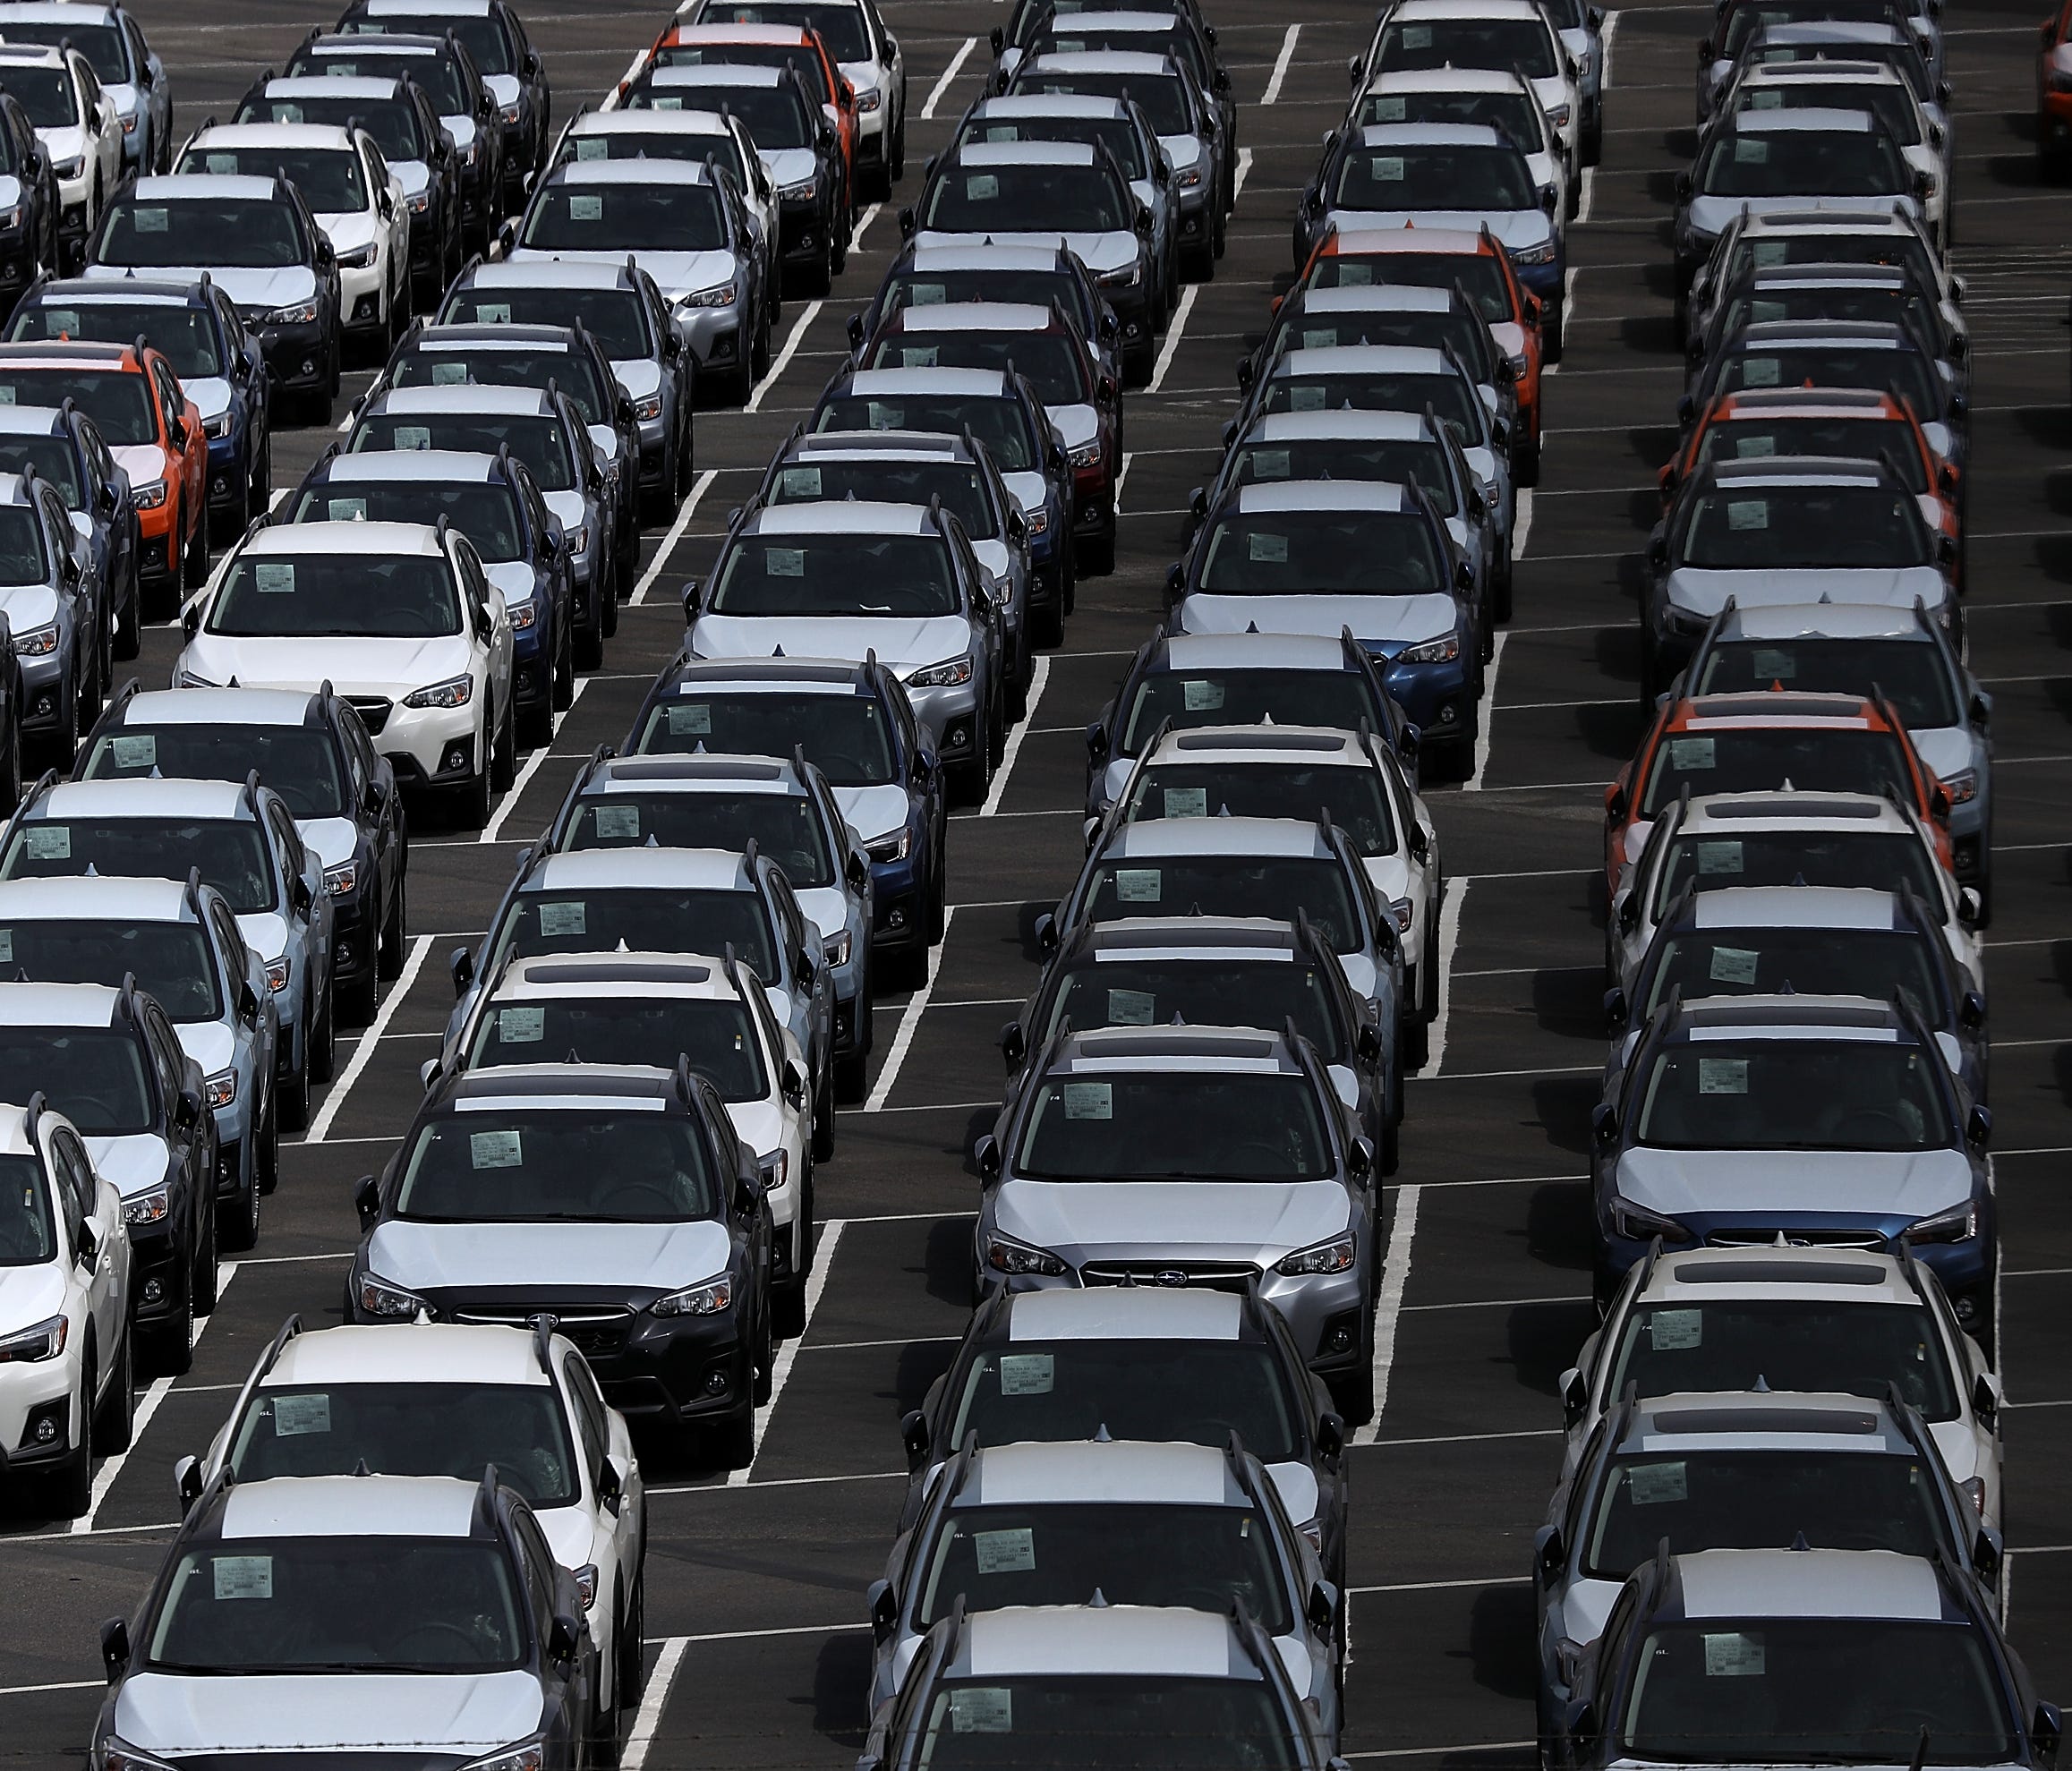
(57,613)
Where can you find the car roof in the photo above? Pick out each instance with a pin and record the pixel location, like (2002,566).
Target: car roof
(1807,1583)
(641,171)
(1347,423)
(732,31)
(344,86)
(112,292)
(1100,1471)
(57,1005)
(1365,360)
(13,488)
(1795,470)
(503,1088)
(1106,1642)
(1808,119)
(621,976)
(841,516)
(1377,298)
(1792,402)
(985,254)
(181,187)
(409,465)
(1222,1051)
(1835,1276)
(387,539)
(31,421)
(1119,1312)
(1048,105)
(1357,242)
(1773,707)
(1831,620)
(94,899)
(1432,136)
(713,73)
(547,274)
(30,55)
(937,447)
(1382,496)
(143,797)
(696,774)
(1782,1420)
(648,122)
(687,869)
(1215,836)
(1102,61)
(1248,940)
(1468,9)
(1787,808)
(833,675)
(273,135)
(1321,745)
(467,396)
(420,1353)
(1827,221)
(1183,653)
(1025,154)
(349,1506)
(1858,1020)
(1795,906)
(972,317)
(972,383)
(217,707)
(1447,79)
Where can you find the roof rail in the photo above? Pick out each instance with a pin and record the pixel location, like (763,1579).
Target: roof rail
(483,1521)
(249,793)
(544,1326)
(191,892)
(33,1114)
(684,1080)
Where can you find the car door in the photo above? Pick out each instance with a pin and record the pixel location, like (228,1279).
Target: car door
(309,909)
(801,964)
(494,628)
(91,1201)
(181,425)
(566,1689)
(179,1075)
(595,1423)
(393,208)
(244,973)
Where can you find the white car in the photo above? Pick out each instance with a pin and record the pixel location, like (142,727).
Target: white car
(1482,34)
(80,129)
(401,620)
(447,1399)
(360,205)
(65,1306)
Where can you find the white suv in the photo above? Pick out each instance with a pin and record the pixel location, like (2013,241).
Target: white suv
(79,128)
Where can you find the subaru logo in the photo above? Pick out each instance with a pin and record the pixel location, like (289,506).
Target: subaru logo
(1170,1277)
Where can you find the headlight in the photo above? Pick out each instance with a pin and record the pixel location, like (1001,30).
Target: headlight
(150,496)
(11,219)
(509,113)
(804,191)
(579,537)
(1313,1529)
(276,972)
(217,427)
(837,949)
(894,848)
(1962,785)
(1190,179)
(587,1584)
(1441,650)
(1520,363)
(1957,1226)
(1543,254)
(130,123)
(454,692)
(698,1300)
(116,1754)
(1548,193)
(420,204)
(2061,83)
(523,615)
(868,103)
(526,1756)
(1975,1491)
(1005,1254)
(342,881)
(185,679)
(151,1208)
(1640,1225)
(303,313)
(1399,908)
(359,259)
(723,296)
(38,642)
(1087,455)
(46,1341)
(649,405)
(221,1089)
(71,168)
(378,1298)
(1036,522)
(1336,1255)
(776,1168)
(951,673)
(1129,277)
(1557,115)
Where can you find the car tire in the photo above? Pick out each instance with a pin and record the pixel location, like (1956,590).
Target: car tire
(607,1737)
(292,1097)
(323,1042)
(266,1153)
(1388,1153)
(394,939)
(762,1381)
(759,347)
(1097,554)
(504,752)
(1501,591)
(823,1119)
(938,910)
(565,670)
(630,1674)
(473,798)
(237,1217)
(169,1345)
(969,780)
(733,1440)
(201,1277)
(115,1423)
(1551,320)
(11,783)
(538,729)
(72,1482)
(1353,1391)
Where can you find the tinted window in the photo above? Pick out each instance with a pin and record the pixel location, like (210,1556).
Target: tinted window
(642,922)
(512,366)
(1757,759)
(1910,673)
(184,336)
(835,574)
(1298,552)
(713,1034)
(785,827)
(232,853)
(577,1166)
(1272,886)
(247,233)
(1793,1094)
(298,762)
(1355,796)
(118,402)
(999,422)
(486,513)
(624,217)
(962,487)
(1152,992)
(363,595)
(842,735)
(1883,860)
(332,180)
(28,1232)
(616,317)
(1342,698)
(539,440)
(171,960)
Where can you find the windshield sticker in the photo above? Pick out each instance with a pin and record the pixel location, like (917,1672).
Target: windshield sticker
(1417,36)
(1761,313)
(1388,108)
(1009,1551)
(1691,753)
(918,356)
(1755,448)
(1764,254)
(1731,1655)
(981,1709)
(1774,666)
(883,417)
(1748,513)
(1676,1331)
(449,374)
(1270,549)
(7,946)
(1090,1100)
(1763,101)
(1723,1076)
(1719,857)
(1652,1484)
(49,842)
(286,113)
(1272,463)
(242,1577)
(273,579)
(666,102)
(294,1416)
(585,209)
(522,1025)
(7,396)
(1751,151)
(692,721)
(345,510)
(496,1149)
(1186,802)
(1027,1373)
(1385,169)
(800,483)
(150,221)
(1315,338)
(221,163)
(1758,372)
(981,187)
(1733,964)
(342,70)
(592,147)
(1003,132)
(1139,885)
(619,823)
(1354,275)
(140,751)
(927,295)
(556,919)
(1306,399)
(493,313)
(1131,1008)
(414,435)
(784,563)
(1201,697)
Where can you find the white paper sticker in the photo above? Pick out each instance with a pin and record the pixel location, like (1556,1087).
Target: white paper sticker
(1003,132)
(1201,697)
(1270,549)
(242,1577)
(585,209)
(1139,885)
(1761,313)
(220,162)
(7,397)
(287,112)
(668,101)
(1723,1076)
(919,356)
(1762,101)
(1773,666)
(1652,1484)
(414,435)
(1388,107)
(1027,1373)
(1751,151)
(7,946)
(1131,1008)
(592,147)
(139,752)
(692,721)
(294,1416)
(1090,1100)
(273,579)
(496,1149)
(1758,372)
(1186,802)
(449,374)
(1306,399)
(1720,856)
(150,221)
(341,70)
(345,510)
(1005,1552)
(1755,448)
(883,417)
(1676,1331)
(1315,338)
(1748,513)
(981,187)
(619,823)
(1731,1655)
(981,1709)
(1350,275)
(784,563)
(800,483)
(1417,36)
(493,313)
(1691,753)
(927,295)
(522,1025)
(1733,964)
(1272,463)
(1386,169)
(48,842)
(562,919)
(60,322)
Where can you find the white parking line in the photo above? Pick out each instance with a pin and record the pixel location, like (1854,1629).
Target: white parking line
(1449,944)
(1172,335)
(1486,730)
(1402,1228)
(648,1717)
(370,1041)
(863,227)
(1244,171)
(1604,80)
(493,831)
(916,1006)
(782,360)
(699,487)
(1121,475)
(788,1354)
(1279,74)
(1039,680)
(949,73)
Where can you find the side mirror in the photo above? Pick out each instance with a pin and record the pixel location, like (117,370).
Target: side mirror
(1985,1399)
(1658,550)
(1969,906)
(462,965)
(1978,1127)
(247,1003)
(300,896)
(1946,549)
(428,1073)
(1548,1553)
(1580,1721)
(1616,1013)
(914,1433)
(610,1491)
(1548,200)
(1322,1610)
(855,331)
(1574,1394)
(191,620)
(187,1482)
(986,1153)
(1013,1047)
(367,1201)
(1987,1552)
(1366,1044)
(186,1111)
(1686,410)
(1175,583)
(1360,1159)
(1143,221)
(998,38)
(562,1638)
(1614,805)
(2046,1729)
(90,1245)
(1463,577)
(793,1084)
(1970,1009)
(694,597)
(1046,931)
(906,224)
(1097,743)
(883,1605)
(115,1648)
(1939,804)
(1330,1435)
(1686,188)
(1604,1126)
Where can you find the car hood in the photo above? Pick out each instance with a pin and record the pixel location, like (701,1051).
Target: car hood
(143,462)
(30,1295)
(570,508)
(352,664)
(1389,874)
(1509,335)
(1104,250)
(27,606)
(1711,215)
(514,578)
(1701,591)
(637,376)
(124,96)
(675,273)
(1946,749)
(347,230)
(1075,424)
(623,1256)
(266,932)
(994,556)
(904,643)
(459,130)
(873,811)
(134,1164)
(1028,487)
(827,908)
(1377,620)
(414,175)
(329,840)
(211,1044)
(251,292)
(571,1533)
(1258,1222)
(787,165)
(1181,151)
(758,1124)
(210,395)
(1584,1605)
(1515,229)
(1296,1484)
(1903,1183)
(9,190)
(470,1714)
(68,143)
(504,88)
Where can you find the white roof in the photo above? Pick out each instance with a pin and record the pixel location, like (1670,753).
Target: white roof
(183,186)
(1813,119)
(346,537)
(842,516)
(427,1352)
(141,797)
(1795,908)
(1119,1314)
(99,899)
(1117,1641)
(973,317)
(1024,154)
(351,1506)
(1259,651)
(217,707)
(1809,1583)
(1818,1275)
(56,1005)
(472,398)
(1116,1471)
(1214,836)
(272,136)
(605,869)
(1824,620)
(1365,360)
(584,977)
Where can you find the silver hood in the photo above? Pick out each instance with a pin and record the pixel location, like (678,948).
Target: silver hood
(676,274)
(1515,229)
(1375,619)
(470,1713)
(254,293)
(873,811)
(329,840)
(1781,1183)
(1713,215)
(1697,591)
(628,1256)
(1102,250)
(1258,1222)
(30,1295)
(903,642)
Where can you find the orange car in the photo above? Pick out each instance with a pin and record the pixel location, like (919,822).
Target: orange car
(1432,258)
(772,45)
(1855,423)
(1758,744)
(2054,92)
(153,429)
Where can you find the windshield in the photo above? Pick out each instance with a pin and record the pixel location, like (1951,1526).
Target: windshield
(1451,397)
(1339,699)
(1793,1094)
(436,72)
(1788,1343)
(1099,1723)
(1190,1124)
(1051,360)
(537,439)
(118,402)
(331,179)
(573,371)
(1880,304)
(1355,797)
(1163,95)
(53,458)
(1117,134)
(101,44)
(239,232)
(46,95)
(1409,462)
(1802,162)
(184,336)
(642,921)
(1275,885)
(832,574)
(1409,176)
(28,1236)
(173,961)
(367,596)
(1000,422)
(1766,1690)
(1764,759)
(487,513)
(1903,373)
(1132,992)
(1909,673)
(1742,527)
(841,27)
(20,546)
(1884,861)
(411,1429)
(232,853)
(337,1604)
(776,116)
(714,1033)
(843,736)
(299,763)
(1894,247)
(959,485)
(616,317)
(1848,438)
(1516,113)
(785,827)
(1524,44)
(481,34)
(1478,274)
(391,122)
(1877,963)
(1024,198)
(1744,21)
(626,217)
(1316,552)
(578,1165)
(1203,1557)
(95,1079)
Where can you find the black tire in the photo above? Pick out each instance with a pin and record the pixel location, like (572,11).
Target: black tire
(504,753)
(1417,1042)
(323,1046)
(632,1670)
(1097,555)
(169,1345)
(824,1121)
(607,1738)
(565,670)
(202,1280)
(1500,594)
(292,1097)
(266,1155)
(129,623)
(763,1385)
(969,780)
(759,348)
(538,732)
(473,796)
(733,1441)
(938,910)
(1389,1154)
(1353,1391)
(115,1420)
(395,933)
(589,639)
(1551,322)
(72,1482)
(237,1217)
(852,1076)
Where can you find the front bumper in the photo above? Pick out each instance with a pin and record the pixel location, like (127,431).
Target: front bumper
(899,910)
(36,1392)
(951,717)
(802,235)
(157,1274)
(296,356)
(1438,699)
(360,294)
(229,469)
(713,335)
(43,678)
(427,746)
(354,938)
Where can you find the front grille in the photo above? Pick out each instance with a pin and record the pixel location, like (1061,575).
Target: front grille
(1796,1238)
(1172,1275)
(592,1329)
(373,710)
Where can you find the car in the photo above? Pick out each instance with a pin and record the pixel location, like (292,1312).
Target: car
(218,365)
(444,1399)
(1004,412)
(1878,43)
(60,625)
(413,1607)
(685,225)
(421,647)
(1826,237)
(847,579)
(243,840)
(66,1392)
(405,125)
(1250,971)
(1498,98)
(800,153)
(180,941)
(442,67)
(639,1223)
(359,203)
(1761,531)
(521,546)
(1515,34)
(1737,23)
(109,1062)
(1241,867)
(128,70)
(260,242)
(156,437)
(1719,1470)
(78,128)
(1082,400)
(1924,1652)
(543,430)
(63,447)
(1580,26)
(1352,779)
(312,750)
(912,467)
(1870,1322)
(785,808)
(1759,743)
(2053,83)
(622,310)
(1321,556)
(854,724)
(29,245)
(1141,1523)
(493,33)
